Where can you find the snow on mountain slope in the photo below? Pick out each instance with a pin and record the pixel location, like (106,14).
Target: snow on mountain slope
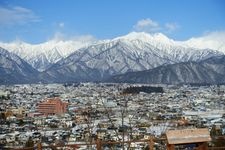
(133,52)
(43,55)
(213,41)
(13,69)
(103,60)
(140,44)
(179,51)
(154,39)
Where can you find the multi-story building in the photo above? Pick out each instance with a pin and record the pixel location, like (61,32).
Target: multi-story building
(52,106)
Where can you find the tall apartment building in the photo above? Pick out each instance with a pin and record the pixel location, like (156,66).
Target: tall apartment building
(52,106)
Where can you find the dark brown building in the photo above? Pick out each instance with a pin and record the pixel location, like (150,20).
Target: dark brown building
(52,106)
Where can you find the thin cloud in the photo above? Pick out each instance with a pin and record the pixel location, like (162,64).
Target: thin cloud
(151,26)
(59,36)
(170,27)
(16,15)
(147,25)
(61,24)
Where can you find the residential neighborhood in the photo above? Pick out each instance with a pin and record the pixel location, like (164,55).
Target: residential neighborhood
(81,114)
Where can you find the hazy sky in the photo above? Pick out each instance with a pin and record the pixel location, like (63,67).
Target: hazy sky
(36,21)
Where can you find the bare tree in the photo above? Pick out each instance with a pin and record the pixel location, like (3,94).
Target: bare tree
(88,119)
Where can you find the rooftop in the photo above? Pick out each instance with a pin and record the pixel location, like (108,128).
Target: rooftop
(188,136)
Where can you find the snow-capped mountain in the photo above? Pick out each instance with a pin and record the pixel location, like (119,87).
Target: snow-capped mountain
(213,40)
(13,69)
(43,55)
(180,51)
(133,52)
(91,60)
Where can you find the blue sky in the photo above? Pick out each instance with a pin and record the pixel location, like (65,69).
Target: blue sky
(36,21)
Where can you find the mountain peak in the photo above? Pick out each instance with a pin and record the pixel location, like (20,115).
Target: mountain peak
(161,37)
(135,36)
(147,38)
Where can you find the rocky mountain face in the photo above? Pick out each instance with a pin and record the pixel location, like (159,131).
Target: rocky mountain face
(14,70)
(209,71)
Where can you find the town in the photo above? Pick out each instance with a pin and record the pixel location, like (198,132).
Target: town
(80,114)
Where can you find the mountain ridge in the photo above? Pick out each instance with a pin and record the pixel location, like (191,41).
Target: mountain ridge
(43,55)
(119,56)
(100,60)
(14,70)
(210,71)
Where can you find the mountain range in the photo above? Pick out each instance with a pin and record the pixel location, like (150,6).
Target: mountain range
(209,71)
(136,57)
(41,56)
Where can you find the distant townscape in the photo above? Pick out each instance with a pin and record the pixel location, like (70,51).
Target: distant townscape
(87,115)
